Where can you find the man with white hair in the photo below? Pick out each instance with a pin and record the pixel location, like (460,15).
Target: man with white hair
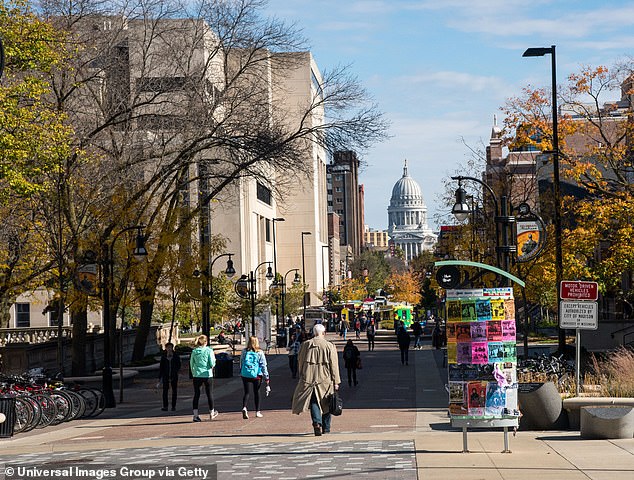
(318,379)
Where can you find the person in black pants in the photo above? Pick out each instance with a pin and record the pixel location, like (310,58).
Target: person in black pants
(403,339)
(370,331)
(168,374)
(351,358)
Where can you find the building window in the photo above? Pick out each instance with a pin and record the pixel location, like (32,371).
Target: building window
(339,200)
(338,189)
(338,178)
(22,315)
(264,193)
(267,230)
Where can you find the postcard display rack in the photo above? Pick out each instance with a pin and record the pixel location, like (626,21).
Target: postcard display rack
(482,360)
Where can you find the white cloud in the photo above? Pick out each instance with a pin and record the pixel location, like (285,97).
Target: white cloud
(455,80)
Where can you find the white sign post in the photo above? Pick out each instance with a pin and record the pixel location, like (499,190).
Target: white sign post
(578,309)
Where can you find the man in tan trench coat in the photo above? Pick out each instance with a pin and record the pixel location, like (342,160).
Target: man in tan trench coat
(318,378)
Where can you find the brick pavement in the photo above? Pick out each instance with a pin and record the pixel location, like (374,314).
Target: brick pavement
(394,426)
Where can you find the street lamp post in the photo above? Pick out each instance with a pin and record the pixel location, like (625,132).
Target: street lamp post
(559,264)
(323,270)
(245,288)
(277,320)
(108,320)
(304,280)
(296,281)
(461,210)
(230,271)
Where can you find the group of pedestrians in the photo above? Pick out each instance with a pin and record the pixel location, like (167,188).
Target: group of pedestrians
(313,362)
(253,371)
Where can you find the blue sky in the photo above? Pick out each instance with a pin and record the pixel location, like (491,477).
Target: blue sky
(440,70)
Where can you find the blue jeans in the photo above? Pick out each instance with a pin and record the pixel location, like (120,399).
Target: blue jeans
(317,417)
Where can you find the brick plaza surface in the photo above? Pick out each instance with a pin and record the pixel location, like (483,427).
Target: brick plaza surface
(394,425)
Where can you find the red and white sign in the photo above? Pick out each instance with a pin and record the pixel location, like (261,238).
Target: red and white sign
(579,290)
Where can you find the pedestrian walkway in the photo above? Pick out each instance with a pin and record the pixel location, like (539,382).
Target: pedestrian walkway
(394,425)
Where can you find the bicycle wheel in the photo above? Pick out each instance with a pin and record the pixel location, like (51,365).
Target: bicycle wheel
(63,405)
(91,401)
(49,409)
(37,413)
(101,402)
(78,404)
(23,415)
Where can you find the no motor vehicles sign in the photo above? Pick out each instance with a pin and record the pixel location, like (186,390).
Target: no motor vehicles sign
(579,290)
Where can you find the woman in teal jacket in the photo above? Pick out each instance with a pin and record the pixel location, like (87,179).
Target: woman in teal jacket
(201,364)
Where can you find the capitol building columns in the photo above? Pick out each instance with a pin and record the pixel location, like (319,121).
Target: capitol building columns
(407,218)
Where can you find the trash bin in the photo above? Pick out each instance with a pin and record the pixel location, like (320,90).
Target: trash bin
(7,407)
(224,365)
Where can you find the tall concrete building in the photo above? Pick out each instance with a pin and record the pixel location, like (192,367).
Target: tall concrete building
(345,198)
(407,218)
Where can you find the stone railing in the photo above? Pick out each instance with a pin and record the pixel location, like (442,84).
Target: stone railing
(31,335)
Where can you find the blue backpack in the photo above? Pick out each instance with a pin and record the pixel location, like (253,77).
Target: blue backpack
(250,365)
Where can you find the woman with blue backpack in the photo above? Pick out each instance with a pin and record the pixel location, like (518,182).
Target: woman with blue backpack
(253,369)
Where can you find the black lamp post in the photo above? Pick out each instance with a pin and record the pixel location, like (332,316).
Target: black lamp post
(304,280)
(207,298)
(461,210)
(245,288)
(559,264)
(296,281)
(108,321)
(323,270)
(274,286)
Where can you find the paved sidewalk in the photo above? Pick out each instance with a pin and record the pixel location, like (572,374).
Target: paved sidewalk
(394,425)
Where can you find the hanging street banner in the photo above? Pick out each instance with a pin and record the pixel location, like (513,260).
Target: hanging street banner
(579,290)
(528,239)
(581,315)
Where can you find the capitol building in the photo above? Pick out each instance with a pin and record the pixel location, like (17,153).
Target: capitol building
(407,218)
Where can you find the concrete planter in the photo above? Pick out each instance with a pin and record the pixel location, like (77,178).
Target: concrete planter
(541,407)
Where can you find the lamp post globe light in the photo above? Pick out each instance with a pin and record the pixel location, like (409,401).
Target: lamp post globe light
(245,288)
(461,210)
(296,281)
(139,253)
(208,293)
(559,264)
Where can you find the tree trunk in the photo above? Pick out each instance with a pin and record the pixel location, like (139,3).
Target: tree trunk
(143,330)
(79,319)
(5,311)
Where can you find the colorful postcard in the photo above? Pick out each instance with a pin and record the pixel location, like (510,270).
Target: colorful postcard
(497,309)
(509,309)
(485,372)
(455,373)
(451,332)
(479,353)
(510,352)
(495,399)
(483,310)
(463,332)
(496,352)
(452,355)
(463,353)
(470,372)
(494,331)
(456,392)
(468,310)
(476,394)
(454,311)
(508,330)
(478,331)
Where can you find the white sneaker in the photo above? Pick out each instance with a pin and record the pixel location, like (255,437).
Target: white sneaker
(259,414)
(245,414)
(213,414)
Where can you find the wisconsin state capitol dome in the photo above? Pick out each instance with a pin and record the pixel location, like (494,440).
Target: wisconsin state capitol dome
(407,218)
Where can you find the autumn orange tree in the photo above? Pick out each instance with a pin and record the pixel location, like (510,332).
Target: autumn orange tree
(596,160)
(404,287)
(353,289)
